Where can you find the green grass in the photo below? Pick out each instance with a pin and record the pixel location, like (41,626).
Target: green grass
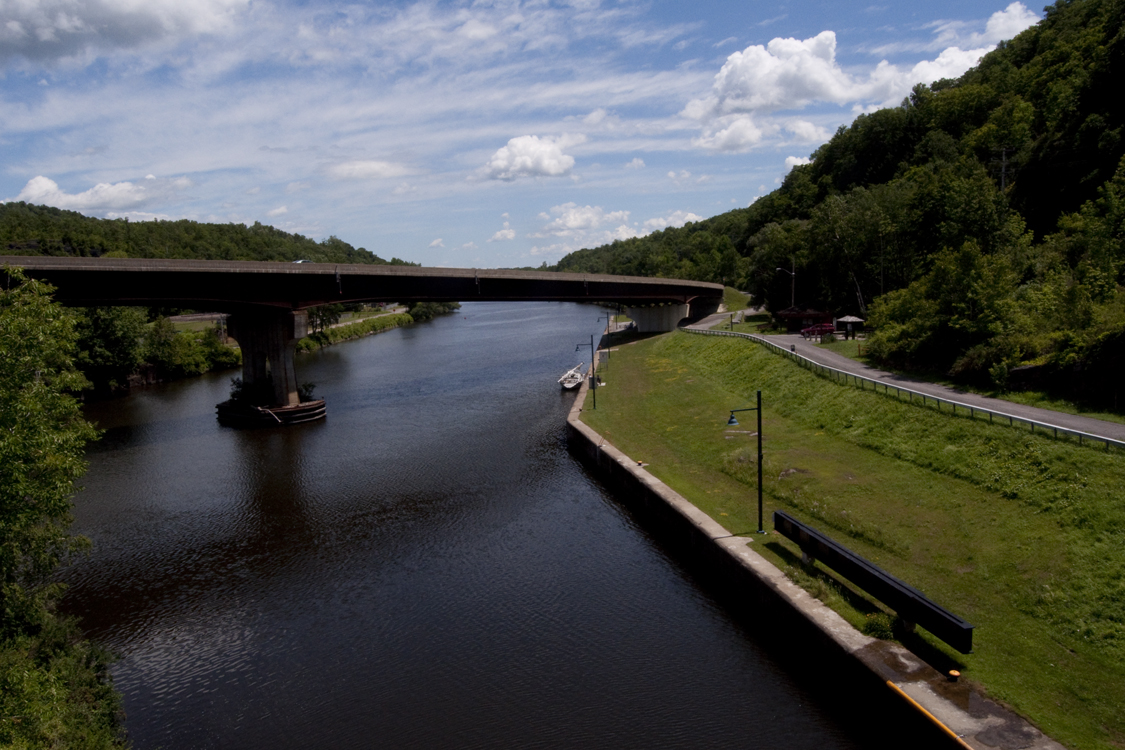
(193,326)
(854,350)
(735,300)
(364,327)
(748,325)
(1022,535)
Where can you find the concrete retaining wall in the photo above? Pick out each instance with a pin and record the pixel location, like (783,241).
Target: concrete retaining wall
(966,718)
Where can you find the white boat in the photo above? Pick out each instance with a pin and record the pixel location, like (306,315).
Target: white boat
(572,378)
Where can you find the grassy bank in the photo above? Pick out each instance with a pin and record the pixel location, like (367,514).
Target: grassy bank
(735,300)
(364,327)
(1021,535)
(857,350)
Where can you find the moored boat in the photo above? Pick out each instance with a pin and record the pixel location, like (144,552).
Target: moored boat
(572,378)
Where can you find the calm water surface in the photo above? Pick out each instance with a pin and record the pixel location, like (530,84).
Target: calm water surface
(426,568)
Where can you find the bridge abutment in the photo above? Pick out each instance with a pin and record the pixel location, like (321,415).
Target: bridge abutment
(657,319)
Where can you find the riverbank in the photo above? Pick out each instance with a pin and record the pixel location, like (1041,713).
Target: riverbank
(1018,534)
(349,331)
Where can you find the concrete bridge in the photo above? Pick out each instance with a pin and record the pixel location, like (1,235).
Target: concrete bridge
(267,300)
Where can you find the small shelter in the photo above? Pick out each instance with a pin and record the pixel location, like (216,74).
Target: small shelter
(798,318)
(849,325)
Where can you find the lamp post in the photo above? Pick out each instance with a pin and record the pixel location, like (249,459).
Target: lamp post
(608,330)
(792,283)
(593,374)
(732,422)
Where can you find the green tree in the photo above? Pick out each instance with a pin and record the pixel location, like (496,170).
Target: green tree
(110,344)
(55,683)
(324,316)
(42,438)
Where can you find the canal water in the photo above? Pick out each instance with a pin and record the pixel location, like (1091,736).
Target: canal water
(427,568)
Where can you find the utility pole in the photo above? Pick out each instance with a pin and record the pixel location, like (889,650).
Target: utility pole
(792,282)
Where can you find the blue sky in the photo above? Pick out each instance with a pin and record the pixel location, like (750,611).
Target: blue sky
(467,134)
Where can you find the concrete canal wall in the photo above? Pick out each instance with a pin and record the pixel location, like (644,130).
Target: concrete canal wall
(967,718)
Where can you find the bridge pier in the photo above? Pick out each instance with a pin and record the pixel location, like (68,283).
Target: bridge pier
(657,319)
(269,339)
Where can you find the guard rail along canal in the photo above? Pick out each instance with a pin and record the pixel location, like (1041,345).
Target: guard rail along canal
(910,603)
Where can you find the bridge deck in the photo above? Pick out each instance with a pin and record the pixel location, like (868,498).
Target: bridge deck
(228,286)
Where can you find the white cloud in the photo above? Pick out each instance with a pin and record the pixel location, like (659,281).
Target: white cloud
(1001,25)
(507,233)
(438,243)
(637,163)
(737,133)
(1007,23)
(675,219)
(951,63)
(792,161)
(54,29)
(583,226)
(570,218)
(367,170)
(785,74)
(101,197)
(791,74)
(530,156)
(595,117)
(807,132)
(278,211)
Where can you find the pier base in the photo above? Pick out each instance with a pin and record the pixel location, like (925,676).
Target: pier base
(268,340)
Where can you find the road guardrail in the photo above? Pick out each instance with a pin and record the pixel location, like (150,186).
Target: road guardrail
(862,382)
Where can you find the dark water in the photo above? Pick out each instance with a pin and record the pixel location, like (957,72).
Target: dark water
(426,568)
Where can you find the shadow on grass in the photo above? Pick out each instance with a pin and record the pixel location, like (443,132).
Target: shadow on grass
(823,581)
(621,338)
(855,599)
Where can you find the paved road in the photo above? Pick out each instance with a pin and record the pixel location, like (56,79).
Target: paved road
(1098,427)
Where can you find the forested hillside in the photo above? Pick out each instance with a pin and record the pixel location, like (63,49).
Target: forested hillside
(980,225)
(27,229)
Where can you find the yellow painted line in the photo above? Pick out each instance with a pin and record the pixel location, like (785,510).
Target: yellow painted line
(956,738)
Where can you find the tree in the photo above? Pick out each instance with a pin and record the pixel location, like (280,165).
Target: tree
(324,316)
(42,440)
(110,346)
(56,683)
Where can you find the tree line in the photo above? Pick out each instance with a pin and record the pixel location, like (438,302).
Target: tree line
(28,229)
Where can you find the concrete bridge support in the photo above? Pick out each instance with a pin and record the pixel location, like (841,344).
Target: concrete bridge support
(268,339)
(657,319)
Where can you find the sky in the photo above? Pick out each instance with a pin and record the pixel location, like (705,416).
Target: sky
(498,133)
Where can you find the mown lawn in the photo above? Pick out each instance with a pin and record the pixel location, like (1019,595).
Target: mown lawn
(1022,535)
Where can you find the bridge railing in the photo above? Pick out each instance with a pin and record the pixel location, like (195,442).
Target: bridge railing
(971,410)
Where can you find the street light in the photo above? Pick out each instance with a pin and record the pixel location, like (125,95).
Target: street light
(593,373)
(792,284)
(732,422)
(608,331)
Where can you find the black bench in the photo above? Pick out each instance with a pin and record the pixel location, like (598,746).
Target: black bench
(910,603)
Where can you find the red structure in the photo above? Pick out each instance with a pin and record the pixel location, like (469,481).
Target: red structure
(797,319)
